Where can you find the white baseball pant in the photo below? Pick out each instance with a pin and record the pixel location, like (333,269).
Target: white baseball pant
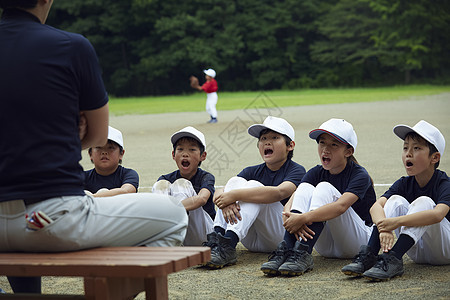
(432,242)
(211,102)
(342,236)
(261,228)
(200,222)
(81,222)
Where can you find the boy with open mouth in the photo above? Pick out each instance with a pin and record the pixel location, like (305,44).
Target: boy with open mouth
(251,203)
(416,207)
(190,184)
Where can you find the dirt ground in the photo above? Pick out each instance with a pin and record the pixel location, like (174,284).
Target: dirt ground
(230,148)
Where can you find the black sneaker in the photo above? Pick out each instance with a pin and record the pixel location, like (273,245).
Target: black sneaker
(276,259)
(363,261)
(388,266)
(298,261)
(211,240)
(223,254)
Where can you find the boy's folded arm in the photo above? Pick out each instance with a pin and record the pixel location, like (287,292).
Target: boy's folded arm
(267,194)
(426,217)
(124,189)
(288,205)
(331,210)
(377,210)
(197,201)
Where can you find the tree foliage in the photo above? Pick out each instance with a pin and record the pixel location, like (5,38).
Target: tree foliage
(151,47)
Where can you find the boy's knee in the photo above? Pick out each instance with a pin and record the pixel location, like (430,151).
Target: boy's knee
(253,183)
(161,187)
(325,186)
(422,203)
(396,201)
(181,182)
(324,193)
(235,182)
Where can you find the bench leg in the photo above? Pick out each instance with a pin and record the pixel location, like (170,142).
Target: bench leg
(156,288)
(101,288)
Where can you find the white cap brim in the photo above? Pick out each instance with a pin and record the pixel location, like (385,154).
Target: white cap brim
(424,129)
(189,132)
(275,124)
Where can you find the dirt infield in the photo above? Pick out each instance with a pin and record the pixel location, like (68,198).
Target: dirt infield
(230,148)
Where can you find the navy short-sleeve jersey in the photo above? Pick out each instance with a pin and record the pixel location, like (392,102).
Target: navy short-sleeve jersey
(94,181)
(353,179)
(47,76)
(201,180)
(289,171)
(438,189)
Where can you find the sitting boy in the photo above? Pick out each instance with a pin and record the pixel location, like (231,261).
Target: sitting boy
(251,204)
(193,186)
(109,178)
(416,207)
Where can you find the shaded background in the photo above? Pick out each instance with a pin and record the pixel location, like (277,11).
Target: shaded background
(151,47)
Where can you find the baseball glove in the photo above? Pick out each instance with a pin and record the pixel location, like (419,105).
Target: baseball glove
(194,82)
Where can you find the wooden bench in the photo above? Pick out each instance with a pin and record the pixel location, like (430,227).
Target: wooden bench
(109,273)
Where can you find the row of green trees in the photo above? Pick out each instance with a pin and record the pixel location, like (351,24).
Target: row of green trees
(149,47)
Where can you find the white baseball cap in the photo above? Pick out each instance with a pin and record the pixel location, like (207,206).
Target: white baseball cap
(425,130)
(210,72)
(338,128)
(188,131)
(275,124)
(115,136)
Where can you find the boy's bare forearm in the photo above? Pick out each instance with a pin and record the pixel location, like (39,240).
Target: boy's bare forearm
(377,210)
(423,218)
(196,201)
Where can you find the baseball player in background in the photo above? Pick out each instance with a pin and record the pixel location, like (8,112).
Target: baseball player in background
(251,203)
(416,207)
(330,209)
(210,87)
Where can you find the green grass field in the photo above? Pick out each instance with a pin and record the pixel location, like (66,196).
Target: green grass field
(280,98)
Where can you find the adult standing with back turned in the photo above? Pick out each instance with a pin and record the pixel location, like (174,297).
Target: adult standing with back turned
(53,105)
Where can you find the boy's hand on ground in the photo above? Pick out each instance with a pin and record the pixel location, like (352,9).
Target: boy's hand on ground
(386,240)
(231,213)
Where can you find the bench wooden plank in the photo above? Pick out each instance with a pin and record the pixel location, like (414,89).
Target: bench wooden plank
(109,273)
(131,262)
(41,297)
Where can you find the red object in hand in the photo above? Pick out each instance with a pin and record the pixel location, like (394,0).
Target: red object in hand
(38,220)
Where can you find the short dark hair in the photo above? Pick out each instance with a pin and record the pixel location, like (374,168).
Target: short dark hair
(286,139)
(418,138)
(18,3)
(191,139)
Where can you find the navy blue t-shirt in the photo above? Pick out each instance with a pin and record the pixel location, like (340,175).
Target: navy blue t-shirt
(47,76)
(353,179)
(438,189)
(94,181)
(289,171)
(201,180)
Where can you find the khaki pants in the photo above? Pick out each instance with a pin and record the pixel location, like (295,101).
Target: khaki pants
(81,222)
